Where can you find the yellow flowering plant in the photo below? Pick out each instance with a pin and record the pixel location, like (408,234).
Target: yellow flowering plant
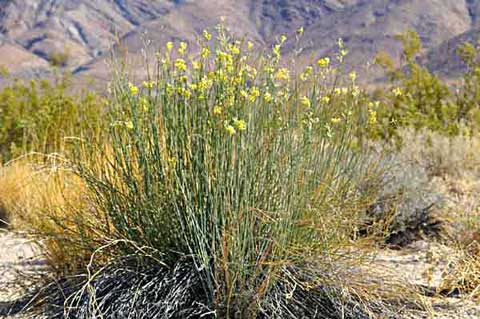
(232,150)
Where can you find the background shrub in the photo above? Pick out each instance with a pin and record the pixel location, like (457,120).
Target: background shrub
(38,115)
(417,98)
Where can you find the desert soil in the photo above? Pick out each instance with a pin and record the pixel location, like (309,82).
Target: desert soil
(18,257)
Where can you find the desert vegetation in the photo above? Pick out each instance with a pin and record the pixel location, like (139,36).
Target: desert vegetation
(224,184)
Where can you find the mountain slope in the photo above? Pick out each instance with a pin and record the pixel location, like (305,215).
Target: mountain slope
(85,30)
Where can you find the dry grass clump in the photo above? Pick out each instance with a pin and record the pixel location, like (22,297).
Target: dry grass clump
(14,177)
(463,279)
(43,198)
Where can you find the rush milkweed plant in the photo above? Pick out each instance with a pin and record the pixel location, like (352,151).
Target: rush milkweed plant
(232,163)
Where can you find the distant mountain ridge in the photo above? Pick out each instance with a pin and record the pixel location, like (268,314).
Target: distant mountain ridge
(32,31)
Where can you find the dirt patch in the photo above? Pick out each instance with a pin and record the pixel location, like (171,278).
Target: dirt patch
(423,264)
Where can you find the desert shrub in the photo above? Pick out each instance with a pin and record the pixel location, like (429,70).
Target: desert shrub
(443,156)
(415,97)
(468,94)
(59,59)
(38,115)
(407,199)
(4,72)
(428,169)
(228,165)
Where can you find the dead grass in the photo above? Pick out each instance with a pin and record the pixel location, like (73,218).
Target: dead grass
(43,198)
(464,277)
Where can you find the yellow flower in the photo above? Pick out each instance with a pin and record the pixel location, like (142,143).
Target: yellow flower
(205,84)
(244,94)
(217,110)
(182,48)
(335,120)
(251,71)
(300,30)
(207,35)
(235,50)
(133,89)
(143,102)
(249,45)
(355,91)
(184,92)
(372,117)
(240,124)
(276,51)
(169,46)
(254,94)
(230,101)
(129,125)
(353,76)
(172,162)
(283,38)
(149,85)
(180,65)
(325,99)
(230,129)
(305,101)
(323,62)
(196,65)
(397,91)
(205,53)
(169,89)
(267,97)
(283,74)
(306,73)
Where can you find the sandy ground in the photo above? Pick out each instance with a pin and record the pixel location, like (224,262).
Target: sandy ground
(421,264)
(17,257)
